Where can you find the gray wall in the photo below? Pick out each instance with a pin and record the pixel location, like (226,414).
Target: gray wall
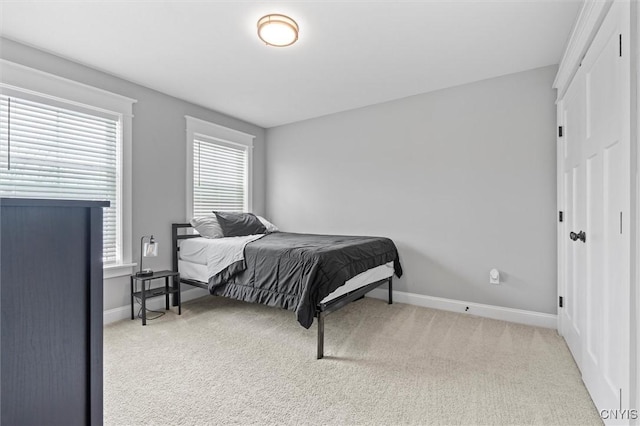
(159,151)
(462,179)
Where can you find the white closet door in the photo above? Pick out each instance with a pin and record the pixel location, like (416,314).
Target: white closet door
(595,320)
(573,178)
(607,158)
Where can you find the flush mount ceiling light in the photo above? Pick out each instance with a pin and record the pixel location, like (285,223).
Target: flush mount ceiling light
(277,30)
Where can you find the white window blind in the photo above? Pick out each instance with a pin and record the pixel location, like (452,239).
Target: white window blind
(220,176)
(47,151)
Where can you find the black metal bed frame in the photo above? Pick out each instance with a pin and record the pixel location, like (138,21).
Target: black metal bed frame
(322,309)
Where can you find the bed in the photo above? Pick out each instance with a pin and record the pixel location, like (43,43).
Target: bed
(312,275)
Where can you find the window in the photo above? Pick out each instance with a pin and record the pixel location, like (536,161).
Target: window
(218,168)
(67,148)
(219,177)
(53,152)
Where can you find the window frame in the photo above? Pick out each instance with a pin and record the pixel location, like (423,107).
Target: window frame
(22,81)
(226,136)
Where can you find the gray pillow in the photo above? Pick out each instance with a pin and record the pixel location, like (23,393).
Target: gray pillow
(239,224)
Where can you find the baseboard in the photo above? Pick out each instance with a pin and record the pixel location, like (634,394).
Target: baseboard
(122,312)
(520,316)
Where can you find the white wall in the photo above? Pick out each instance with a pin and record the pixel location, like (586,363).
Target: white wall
(462,179)
(159,155)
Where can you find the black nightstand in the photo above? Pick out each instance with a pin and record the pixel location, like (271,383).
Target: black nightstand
(154,292)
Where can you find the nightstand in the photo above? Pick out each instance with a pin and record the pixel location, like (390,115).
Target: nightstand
(147,293)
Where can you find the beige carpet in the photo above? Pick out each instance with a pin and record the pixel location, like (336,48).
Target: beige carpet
(228,362)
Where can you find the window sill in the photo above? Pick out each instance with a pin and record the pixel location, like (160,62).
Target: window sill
(120,270)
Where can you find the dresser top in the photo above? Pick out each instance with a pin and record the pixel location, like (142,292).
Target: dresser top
(39,202)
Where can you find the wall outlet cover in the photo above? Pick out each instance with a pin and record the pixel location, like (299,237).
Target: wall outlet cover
(494,276)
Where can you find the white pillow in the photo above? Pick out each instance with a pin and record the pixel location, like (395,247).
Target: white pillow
(270,226)
(207,226)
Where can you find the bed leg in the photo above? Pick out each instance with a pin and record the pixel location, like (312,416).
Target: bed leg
(320,334)
(175,297)
(390,290)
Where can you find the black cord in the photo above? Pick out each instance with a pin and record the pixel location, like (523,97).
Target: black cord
(148,310)
(139,300)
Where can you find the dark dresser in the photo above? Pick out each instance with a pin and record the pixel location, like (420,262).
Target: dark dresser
(51,312)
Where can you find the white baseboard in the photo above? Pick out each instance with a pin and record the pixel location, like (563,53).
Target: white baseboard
(520,316)
(122,312)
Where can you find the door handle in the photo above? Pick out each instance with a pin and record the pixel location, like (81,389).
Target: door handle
(579,236)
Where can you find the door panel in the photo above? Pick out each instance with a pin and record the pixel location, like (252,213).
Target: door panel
(616,243)
(593,276)
(573,119)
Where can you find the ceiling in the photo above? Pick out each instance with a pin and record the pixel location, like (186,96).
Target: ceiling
(350,53)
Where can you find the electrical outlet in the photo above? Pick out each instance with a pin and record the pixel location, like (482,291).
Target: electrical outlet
(494,276)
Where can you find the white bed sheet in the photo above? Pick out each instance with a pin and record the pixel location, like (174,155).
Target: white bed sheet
(215,254)
(198,250)
(367,277)
(199,272)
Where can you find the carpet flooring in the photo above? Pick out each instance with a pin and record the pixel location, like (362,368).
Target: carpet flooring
(229,362)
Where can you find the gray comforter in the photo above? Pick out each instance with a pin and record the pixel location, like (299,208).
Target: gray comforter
(296,271)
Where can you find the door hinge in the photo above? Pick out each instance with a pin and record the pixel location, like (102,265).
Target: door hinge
(620,44)
(560,216)
(559,131)
(560,302)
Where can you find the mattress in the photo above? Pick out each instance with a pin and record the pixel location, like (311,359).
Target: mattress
(199,272)
(195,250)
(218,254)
